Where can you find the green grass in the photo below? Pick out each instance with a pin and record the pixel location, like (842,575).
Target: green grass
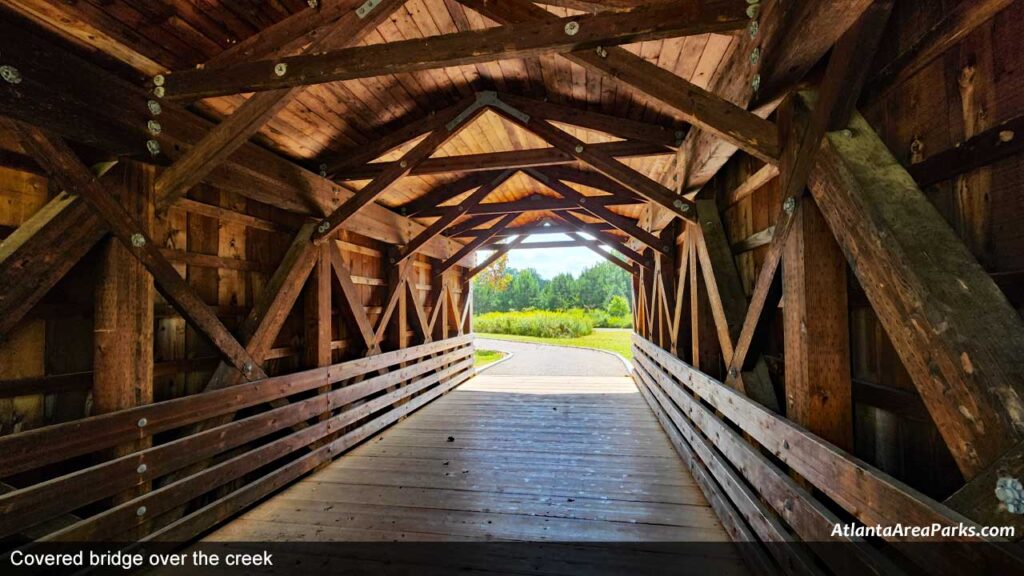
(611,339)
(487,356)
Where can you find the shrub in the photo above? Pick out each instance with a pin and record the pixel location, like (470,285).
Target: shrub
(618,306)
(538,323)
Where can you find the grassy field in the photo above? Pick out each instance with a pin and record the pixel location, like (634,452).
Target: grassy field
(487,356)
(611,339)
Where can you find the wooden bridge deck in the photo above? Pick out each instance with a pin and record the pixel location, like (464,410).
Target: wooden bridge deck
(504,458)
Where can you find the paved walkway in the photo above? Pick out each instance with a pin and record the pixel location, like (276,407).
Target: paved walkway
(543,360)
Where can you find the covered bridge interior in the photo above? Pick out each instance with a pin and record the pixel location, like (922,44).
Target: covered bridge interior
(239,238)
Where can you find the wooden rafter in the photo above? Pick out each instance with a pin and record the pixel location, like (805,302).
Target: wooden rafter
(522,41)
(505,160)
(499,251)
(453,213)
(595,247)
(600,210)
(698,106)
(617,243)
(533,203)
(65,168)
(544,228)
(474,244)
(235,130)
(455,121)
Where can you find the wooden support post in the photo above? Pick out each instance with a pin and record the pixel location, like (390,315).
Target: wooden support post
(62,164)
(353,309)
(318,311)
(398,322)
(123,319)
(817,338)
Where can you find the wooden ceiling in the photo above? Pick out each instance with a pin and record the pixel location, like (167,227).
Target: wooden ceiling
(327,122)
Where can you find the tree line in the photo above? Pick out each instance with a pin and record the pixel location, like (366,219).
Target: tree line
(603,286)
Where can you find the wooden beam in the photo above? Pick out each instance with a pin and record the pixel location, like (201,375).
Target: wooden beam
(499,251)
(930,294)
(780,65)
(393,300)
(262,324)
(505,42)
(622,127)
(354,309)
(454,213)
(474,244)
(538,229)
(455,122)
(605,164)
(544,244)
(699,107)
(755,182)
(318,311)
(468,225)
(534,203)
(617,243)
(819,395)
(595,247)
(377,147)
(236,129)
(840,87)
(65,168)
(601,211)
(1002,141)
(80,101)
(504,160)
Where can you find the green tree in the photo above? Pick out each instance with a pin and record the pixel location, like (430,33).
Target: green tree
(618,305)
(600,282)
(561,293)
(524,291)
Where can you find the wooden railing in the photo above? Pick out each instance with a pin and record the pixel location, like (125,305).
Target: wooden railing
(773,482)
(196,476)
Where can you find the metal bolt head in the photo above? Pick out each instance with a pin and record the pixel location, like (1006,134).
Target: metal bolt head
(247,368)
(159,91)
(142,469)
(572,28)
(733,373)
(404,163)
(755,82)
(10,74)
(579,148)
(753,29)
(158,80)
(312,3)
(154,127)
(755,55)
(140,511)
(1006,136)
(789,205)
(846,133)
(153,146)
(138,240)
(280,68)
(679,204)
(154,107)
(142,422)
(323,227)
(753,10)
(601,52)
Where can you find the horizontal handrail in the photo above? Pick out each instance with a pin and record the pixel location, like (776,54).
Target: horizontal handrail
(49,444)
(40,502)
(865,492)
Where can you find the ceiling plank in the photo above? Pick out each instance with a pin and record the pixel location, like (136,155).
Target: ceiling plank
(698,107)
(504,42)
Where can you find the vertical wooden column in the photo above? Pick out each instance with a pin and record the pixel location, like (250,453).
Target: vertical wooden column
(816,319)
(318,310)
(398,326)
(123,317)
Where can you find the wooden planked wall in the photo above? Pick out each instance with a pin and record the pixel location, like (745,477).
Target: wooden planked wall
(974,86)
(226,246)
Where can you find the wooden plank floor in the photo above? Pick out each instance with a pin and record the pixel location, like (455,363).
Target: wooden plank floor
(504,458)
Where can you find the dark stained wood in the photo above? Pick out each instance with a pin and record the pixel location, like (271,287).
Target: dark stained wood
(353,305)
(545,228)
(64,167)
(520,41)
(504,160)
(997,143)
(819,395)
(535,203)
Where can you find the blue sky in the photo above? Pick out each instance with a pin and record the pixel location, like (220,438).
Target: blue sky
(549,262)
